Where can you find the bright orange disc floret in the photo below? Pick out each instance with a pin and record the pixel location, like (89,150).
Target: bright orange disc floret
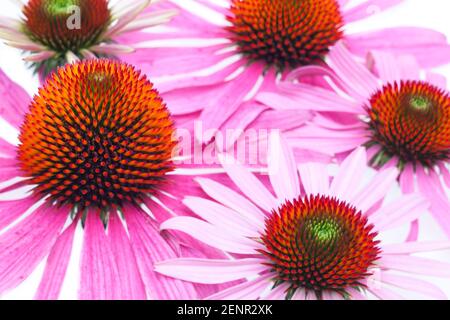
(285,33)
(319,243)
(64,25)
(97,134)
(411,120)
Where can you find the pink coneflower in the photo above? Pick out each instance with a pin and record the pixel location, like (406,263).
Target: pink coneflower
(321,239)
(403,120)
(95,148)
(54,32)
(261,40)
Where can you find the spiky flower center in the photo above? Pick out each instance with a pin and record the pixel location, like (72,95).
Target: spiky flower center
(285,33)
(410,120)
(97,134)
(318,243)
(66,25)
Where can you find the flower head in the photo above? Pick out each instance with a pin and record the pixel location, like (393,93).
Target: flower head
(54,32)
(326,242)
(95,147)
(217,62)
(400,117)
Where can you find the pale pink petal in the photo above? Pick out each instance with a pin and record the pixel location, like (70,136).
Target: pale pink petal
(24,246)
(214,236)
(248,184)
(414,285)
(414,247)
(56,266)
(386,66)
(222,217)
(210,271)
(279,293)
(7,149)
(415,265)
(149,246)
(376,190)
(314,178)
(407,179)
(232,200)
(345,184)
(282,169)
(437,79)
(405,210)
(249,290)
(384,293)
(354,74)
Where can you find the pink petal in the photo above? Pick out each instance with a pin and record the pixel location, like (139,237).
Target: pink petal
(385,294)
(346,182)
(314,178)
(376,190)
(211,271)
(386,66)
(226,101)
(415,265)
(56,266)
(7,149)
(282,169)
(404,210)
(279,293)
(14,99)
(354,74)
(12,210)
(211,235)
(249,290)
(414,285)
(149,246)
(24,246)
(248,184)
(222,217)
(233,200)
(363,10)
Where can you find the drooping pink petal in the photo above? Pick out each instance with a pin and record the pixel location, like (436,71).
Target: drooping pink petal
(14,99)
(386,66)
(211,271)
(24,246)
(367,9)
(149,246)
(278,293)
(227,100)
(405,210)
(56,266)
(358,78)
(384,293)
(12,210)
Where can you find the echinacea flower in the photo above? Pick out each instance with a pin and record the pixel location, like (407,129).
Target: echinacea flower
(321,239)
(254,43)
(402,118)
(54,32)
(96,149)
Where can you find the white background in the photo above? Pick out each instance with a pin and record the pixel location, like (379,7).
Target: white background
(426,13)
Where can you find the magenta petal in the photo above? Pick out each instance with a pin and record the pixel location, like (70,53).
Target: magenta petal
(149,247)
(24,246)
(108,269)
(14,101)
